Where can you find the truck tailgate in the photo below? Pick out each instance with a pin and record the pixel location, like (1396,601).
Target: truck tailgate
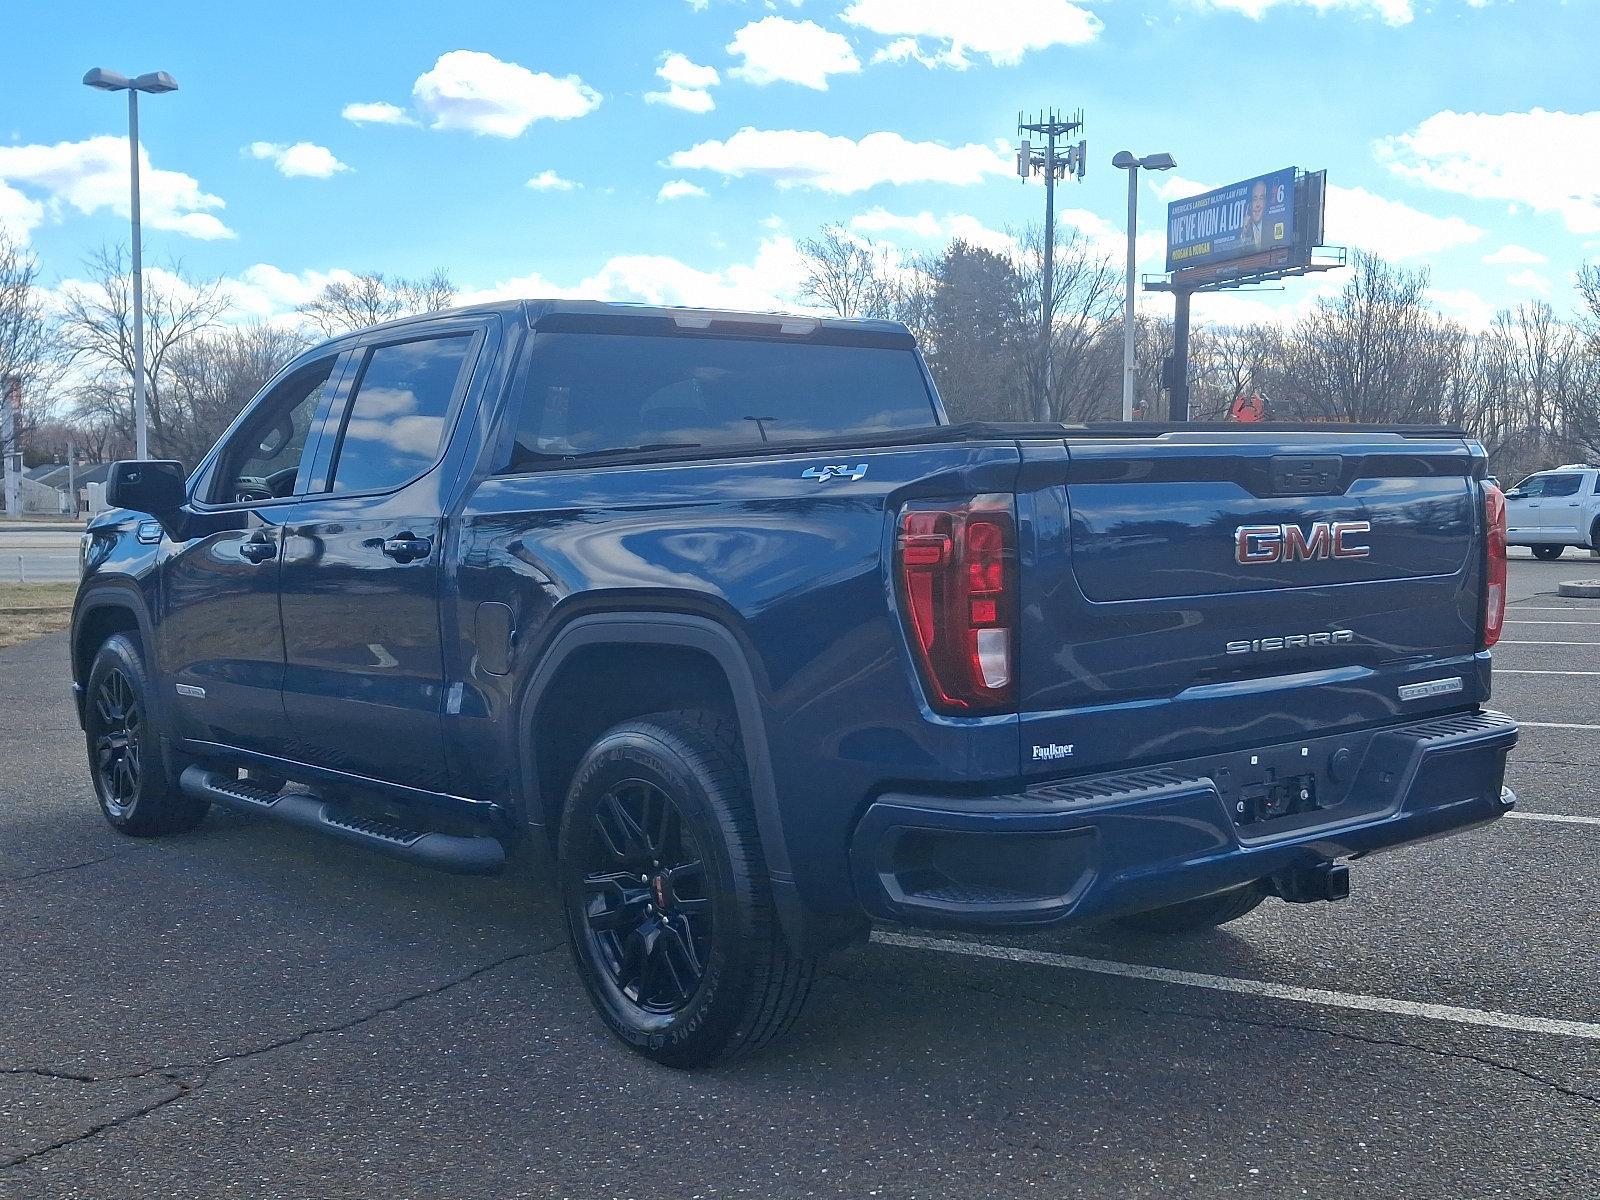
(1207,591)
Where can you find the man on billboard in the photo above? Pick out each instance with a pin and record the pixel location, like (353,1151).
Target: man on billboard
(1253,232)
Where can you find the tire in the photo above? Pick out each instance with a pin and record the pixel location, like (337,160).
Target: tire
(1594,535)
(136,792)
(1204,913)
(685,963)
(1547,553)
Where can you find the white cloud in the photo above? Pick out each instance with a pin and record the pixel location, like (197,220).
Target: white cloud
(19,216)
(1000,30)
(263,292)
(764,284)
(688,84)
(548,181)
(1530,280)
(679,189)
(778,50)
(1513,255)
(1232,309)
(1392,12)
(38,181)
(1508,157)
(1465,306)
(1364,219)
(467,89)
(302,158)
(829,163)
(1389,228)
(378,112)
(926,227)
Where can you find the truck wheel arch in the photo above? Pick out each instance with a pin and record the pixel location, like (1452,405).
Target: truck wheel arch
(681,631)
(113,606)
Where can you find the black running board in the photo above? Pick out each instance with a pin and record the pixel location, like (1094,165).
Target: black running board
(442,851)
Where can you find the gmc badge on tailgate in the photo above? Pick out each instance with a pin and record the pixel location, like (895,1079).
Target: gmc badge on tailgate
(1256,544)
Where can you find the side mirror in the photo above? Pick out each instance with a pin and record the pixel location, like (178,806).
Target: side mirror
(1515,494)
(156,486)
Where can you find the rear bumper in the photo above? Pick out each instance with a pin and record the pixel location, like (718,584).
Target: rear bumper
(1099,846)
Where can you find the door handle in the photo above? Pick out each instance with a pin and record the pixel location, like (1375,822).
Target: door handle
(406,548)
(258,550)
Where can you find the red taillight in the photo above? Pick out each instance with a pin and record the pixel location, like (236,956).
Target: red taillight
(957,565)
(1494,587)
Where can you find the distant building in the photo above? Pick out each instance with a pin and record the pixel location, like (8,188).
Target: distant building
(44,488)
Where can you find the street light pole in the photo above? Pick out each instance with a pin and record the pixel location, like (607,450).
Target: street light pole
(1128,161)
(141,436)
(1127,300)
(156,83)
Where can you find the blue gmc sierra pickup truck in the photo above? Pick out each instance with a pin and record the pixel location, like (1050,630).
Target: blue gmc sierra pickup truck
(720,616)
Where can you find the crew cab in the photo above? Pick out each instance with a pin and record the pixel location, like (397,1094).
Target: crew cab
(1552,510)
(720,617)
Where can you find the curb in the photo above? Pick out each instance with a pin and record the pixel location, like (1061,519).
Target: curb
(1586,588)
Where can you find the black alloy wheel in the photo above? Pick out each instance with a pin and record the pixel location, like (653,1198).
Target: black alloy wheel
(648,920)
(133,781)
(116,733)
(665,890)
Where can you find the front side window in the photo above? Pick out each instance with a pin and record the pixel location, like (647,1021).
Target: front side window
(1532,487)
(264,457)
(394,425)
(1562,485)
(603,393)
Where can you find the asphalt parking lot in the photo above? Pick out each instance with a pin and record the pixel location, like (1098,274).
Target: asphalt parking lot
(246,1011)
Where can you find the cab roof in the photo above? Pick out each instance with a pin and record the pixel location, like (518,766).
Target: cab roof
(597,314)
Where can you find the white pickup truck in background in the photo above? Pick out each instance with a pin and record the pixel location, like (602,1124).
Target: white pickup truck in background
(1555,509)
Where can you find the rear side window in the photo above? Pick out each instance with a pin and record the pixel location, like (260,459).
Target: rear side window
(599,393)
(395,423)
(1562,485)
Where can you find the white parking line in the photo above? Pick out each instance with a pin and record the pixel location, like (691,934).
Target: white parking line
(1506,671)
(1578,607)
(1250,987)
(1503,642)
(1554,725)
(1510,622)
(1557,818)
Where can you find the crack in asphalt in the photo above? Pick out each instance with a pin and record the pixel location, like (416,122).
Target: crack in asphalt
(1285,1026)
(173,1074)
(48,871)
(50,1073)
(179,1090)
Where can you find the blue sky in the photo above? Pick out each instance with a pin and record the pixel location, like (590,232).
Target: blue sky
(1442,123)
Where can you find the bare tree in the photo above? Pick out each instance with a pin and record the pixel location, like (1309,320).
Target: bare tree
(846,274)
(1086,303)
(29,351)
(1373,353)
(215,374)
(96,326)
(344,305)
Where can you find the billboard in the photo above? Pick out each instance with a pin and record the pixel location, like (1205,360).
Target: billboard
(1255,216)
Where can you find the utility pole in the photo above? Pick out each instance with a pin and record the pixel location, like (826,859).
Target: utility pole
(10,447)
(1070,161)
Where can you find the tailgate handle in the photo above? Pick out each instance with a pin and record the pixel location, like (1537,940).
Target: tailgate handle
(1305,474)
